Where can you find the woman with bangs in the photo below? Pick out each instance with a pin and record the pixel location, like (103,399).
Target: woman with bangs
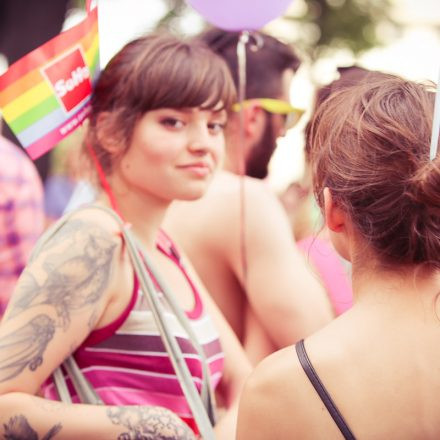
(155,135)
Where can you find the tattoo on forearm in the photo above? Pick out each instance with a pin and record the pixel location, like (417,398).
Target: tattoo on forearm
(18,428)
(25,346)
(50,406)
(149,423)
(76,276)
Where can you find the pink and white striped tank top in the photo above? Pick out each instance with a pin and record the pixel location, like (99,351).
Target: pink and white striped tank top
(127,363)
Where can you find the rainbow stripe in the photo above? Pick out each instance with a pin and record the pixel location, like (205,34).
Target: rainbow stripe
(28,100)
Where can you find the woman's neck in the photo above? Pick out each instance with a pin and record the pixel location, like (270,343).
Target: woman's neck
(412,288)
(145,215)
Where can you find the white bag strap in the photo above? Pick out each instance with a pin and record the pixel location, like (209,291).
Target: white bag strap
(206,392)
(86,393)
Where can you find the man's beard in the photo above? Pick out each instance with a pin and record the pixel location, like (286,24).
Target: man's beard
(257,164)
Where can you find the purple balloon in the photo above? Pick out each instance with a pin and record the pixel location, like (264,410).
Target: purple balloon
(238,15)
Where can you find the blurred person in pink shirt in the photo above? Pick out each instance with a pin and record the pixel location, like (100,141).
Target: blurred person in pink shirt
(21,215)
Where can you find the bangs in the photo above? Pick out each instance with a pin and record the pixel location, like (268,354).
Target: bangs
(189,76)
(208,85)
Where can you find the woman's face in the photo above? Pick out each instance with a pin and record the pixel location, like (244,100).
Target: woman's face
(173,153)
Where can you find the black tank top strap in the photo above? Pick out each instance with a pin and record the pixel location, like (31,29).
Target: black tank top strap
(322,392)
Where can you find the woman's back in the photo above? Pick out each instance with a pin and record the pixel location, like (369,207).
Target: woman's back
(381,373)
(373,372)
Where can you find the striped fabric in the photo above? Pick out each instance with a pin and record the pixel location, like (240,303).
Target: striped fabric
(127,363)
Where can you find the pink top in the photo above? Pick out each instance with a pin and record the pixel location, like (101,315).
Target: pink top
(331,269)
(21,215)
(127,363)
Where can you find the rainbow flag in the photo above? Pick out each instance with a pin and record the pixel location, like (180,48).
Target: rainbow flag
(45,95)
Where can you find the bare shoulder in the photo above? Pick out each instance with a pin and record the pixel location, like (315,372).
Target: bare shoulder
(229,193)
(59,298)
(84,233)
(94,216)
(71,267)
(206,222)
(274,400)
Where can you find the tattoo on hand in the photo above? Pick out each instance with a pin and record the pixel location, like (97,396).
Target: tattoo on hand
(18,428)
(25,346)
(149,423)
(77,274)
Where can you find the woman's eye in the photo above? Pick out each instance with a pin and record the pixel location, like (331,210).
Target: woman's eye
(216,127)
(172,122)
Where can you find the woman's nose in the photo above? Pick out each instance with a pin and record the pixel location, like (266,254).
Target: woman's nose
(200,140)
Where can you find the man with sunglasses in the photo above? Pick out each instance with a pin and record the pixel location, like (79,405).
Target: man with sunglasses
(238,236)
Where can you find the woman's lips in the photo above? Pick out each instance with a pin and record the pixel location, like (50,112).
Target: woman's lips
(200,169)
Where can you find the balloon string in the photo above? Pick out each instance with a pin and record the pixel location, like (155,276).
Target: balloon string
(103,180)
(435,123)
(241,54)
(90,4)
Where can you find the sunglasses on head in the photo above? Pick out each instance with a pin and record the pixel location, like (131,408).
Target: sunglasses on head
(275,106)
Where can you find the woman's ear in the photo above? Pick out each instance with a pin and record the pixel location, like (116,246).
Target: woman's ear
(335,217)
(106,134)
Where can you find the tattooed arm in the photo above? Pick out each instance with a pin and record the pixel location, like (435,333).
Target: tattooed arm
(67,290)
(24,417)
(58,300)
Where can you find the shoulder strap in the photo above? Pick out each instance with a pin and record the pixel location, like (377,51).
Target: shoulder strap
(166,245)
(322,392)
(206,391)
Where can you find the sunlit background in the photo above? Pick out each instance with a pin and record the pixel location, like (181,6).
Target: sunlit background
(396,36)
(409,38)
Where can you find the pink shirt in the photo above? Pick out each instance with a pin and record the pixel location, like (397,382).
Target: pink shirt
(334,275)
(21,215)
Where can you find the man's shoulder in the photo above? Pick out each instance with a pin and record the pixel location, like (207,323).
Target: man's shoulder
(223,202)
(220,209)
(227,184)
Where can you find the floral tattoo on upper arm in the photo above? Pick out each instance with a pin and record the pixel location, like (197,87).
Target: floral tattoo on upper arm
(75,273)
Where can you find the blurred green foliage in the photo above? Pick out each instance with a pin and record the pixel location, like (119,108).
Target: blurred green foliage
(324,25)
(348,24)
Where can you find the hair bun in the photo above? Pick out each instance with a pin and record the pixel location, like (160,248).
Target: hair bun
(424,185)
(370,145)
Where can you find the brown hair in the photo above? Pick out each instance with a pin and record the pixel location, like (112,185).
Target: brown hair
(152,72)
(369,144)
(265,62)
(348,76)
